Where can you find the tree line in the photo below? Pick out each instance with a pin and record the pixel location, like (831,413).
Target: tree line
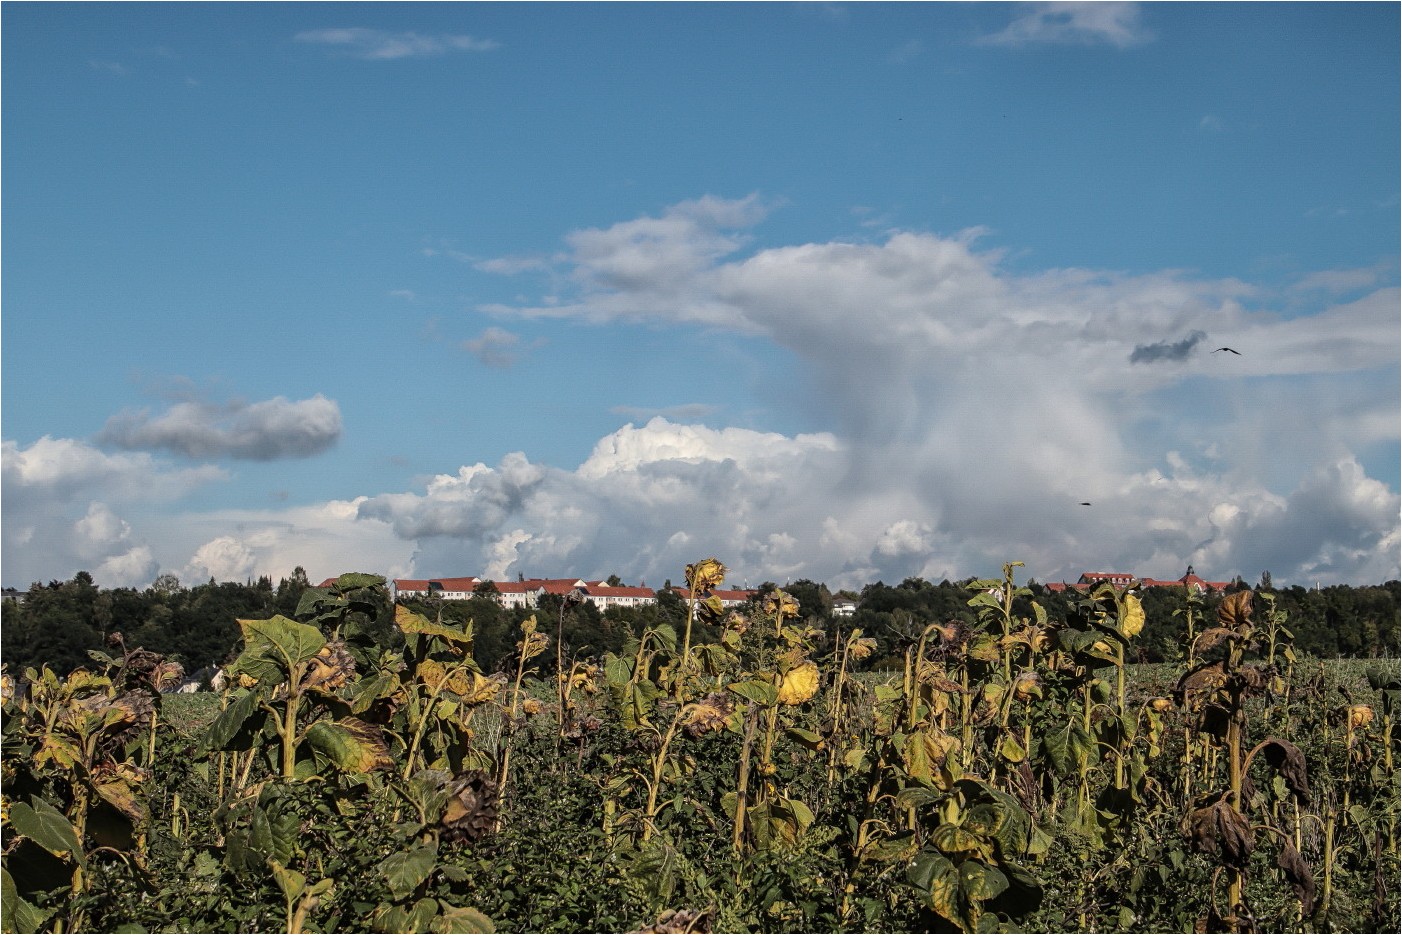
(58,623)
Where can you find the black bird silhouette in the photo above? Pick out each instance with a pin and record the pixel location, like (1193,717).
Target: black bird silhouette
(1234,351)
(1084,503)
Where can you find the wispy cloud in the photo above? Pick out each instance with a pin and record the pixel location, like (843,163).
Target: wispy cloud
(263,431)
(381,45)
(111,68)
(498,348)
(1342,280)
(686,412)
(1110,23)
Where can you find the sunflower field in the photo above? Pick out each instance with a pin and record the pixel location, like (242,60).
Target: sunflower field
(360,772)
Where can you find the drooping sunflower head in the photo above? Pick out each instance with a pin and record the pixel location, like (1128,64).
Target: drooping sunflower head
(709,714)
(862,648)
(705,575)
(481,690)
(799,684)
(1360,715)
(781,605)
(331,668)
(1027,685)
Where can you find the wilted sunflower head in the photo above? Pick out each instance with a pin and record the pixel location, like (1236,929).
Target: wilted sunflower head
(1161,704)
(585,676)
(166,675)
(780,604)
(737,621)
(531,706)
(709,714)
(1360,715)
(1027,685)
(799,684)
(532,643)
(705,575)
(862,648)
(481,690)
(331,668)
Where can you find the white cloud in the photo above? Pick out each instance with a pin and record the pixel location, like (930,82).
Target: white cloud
(381,45)
(58,497)
(263,431)
(969,410)
(1089,23)
(973,408)
(223,559)
(57,469)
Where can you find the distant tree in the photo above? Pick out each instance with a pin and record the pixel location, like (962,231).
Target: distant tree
(165,583)
(614,581)
(487,587)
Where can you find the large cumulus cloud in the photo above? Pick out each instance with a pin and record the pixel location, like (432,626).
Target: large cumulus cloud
(61,500)
(973,406)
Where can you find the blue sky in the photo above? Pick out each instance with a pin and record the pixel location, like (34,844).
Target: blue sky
(839,291)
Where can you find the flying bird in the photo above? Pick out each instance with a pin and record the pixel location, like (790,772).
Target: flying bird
(1233,350)
(1084,503)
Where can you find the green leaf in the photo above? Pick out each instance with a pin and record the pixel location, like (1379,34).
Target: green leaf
(419,918)
(231,720)
(410,622)
(617,670)
(981,882)
(462,921)
(354,580)
(350,743)
(1056,747)
(1011,750)
(18,914)
(292,883)
(405,870)
(274,832)
(901,847)
(281,640)
(366,691)
(637,704)
(916,797)
(937,879)
(47,827)
(760,691)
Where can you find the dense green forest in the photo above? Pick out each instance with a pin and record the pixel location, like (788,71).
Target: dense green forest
(59,622)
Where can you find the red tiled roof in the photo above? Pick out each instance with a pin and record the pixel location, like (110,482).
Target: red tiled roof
(448,584)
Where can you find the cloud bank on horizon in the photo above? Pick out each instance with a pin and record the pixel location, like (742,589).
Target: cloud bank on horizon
(973,410)
(928,404)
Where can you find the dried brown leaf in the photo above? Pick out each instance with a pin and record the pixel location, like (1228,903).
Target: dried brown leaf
(1297,872)
(1289,761)
(1235,610)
